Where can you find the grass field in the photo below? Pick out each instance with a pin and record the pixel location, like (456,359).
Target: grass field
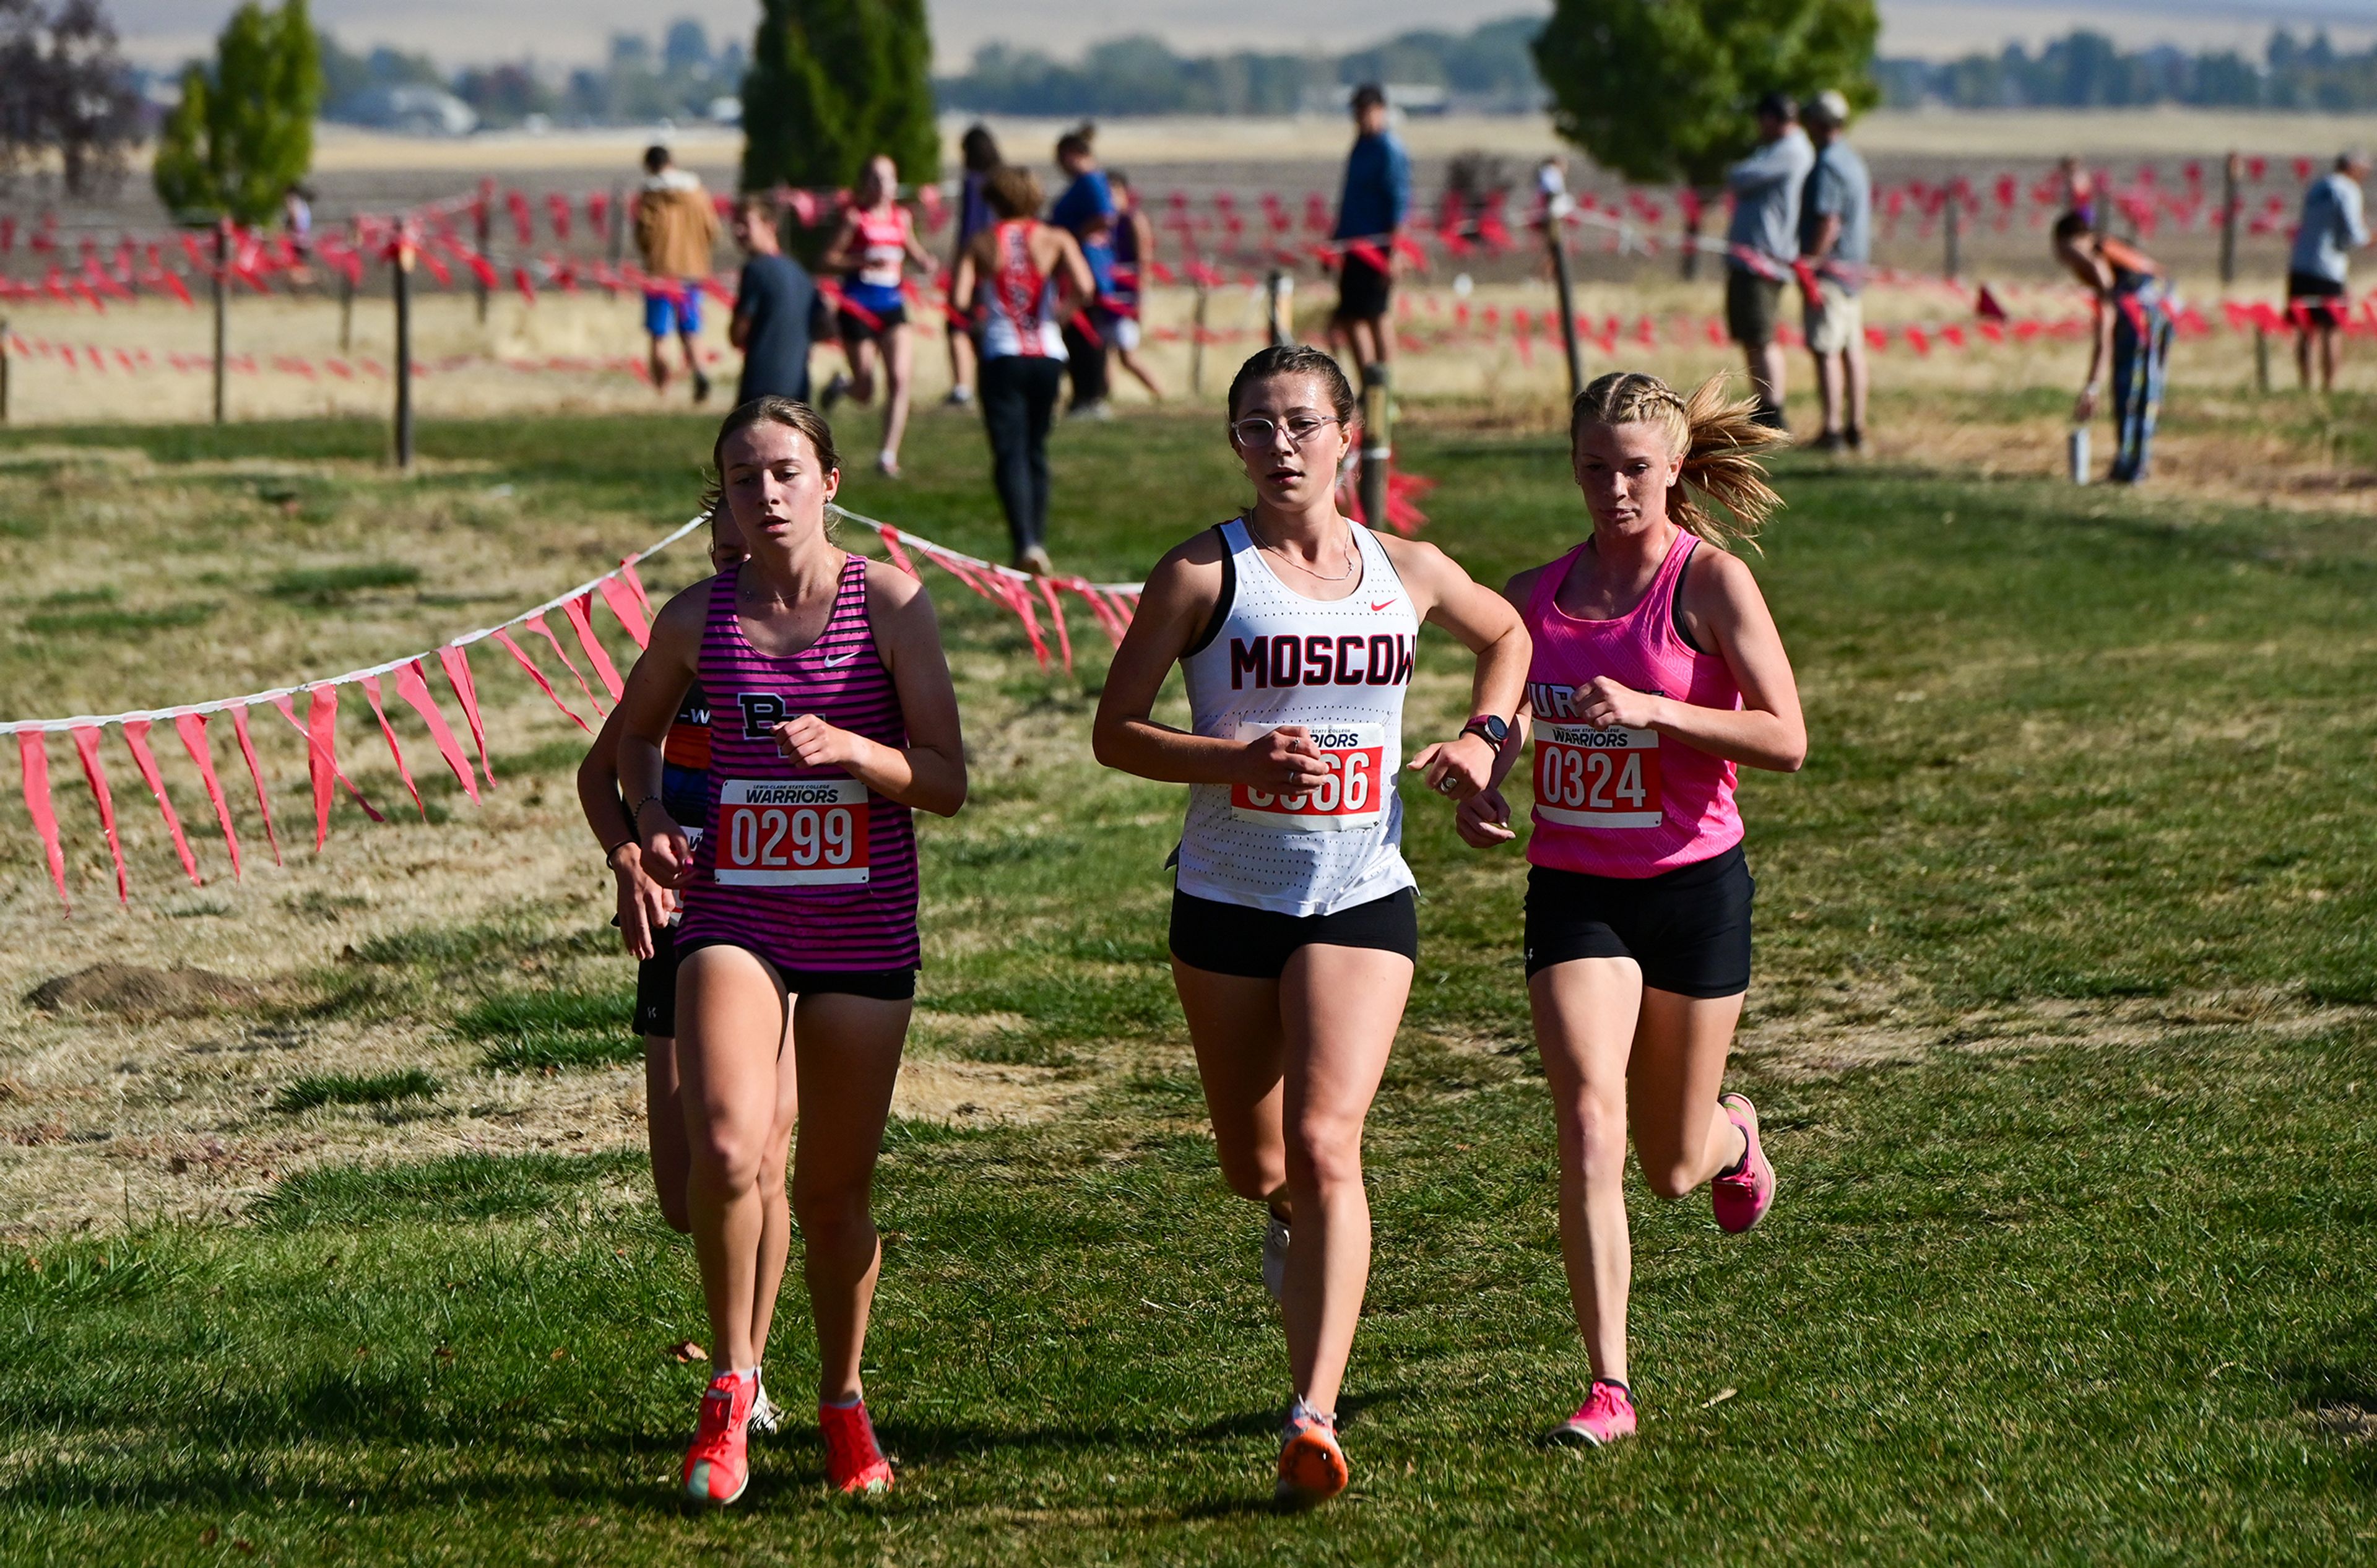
(2063,1024)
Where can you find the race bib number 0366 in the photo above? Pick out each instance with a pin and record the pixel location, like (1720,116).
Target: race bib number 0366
(792,833)
(1590,778)
(1352,795)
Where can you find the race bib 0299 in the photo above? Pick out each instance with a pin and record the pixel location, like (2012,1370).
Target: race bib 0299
(790,832)
(1597,778)
(1352,795)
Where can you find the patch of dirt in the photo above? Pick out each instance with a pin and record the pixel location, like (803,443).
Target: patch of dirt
(975,1094)
(139,992)
(2345,1423)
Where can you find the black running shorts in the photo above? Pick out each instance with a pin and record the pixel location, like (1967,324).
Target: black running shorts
(1230,938)
(1363,290)
(876,985)
(1688,928)
(1753,307)
(656,986)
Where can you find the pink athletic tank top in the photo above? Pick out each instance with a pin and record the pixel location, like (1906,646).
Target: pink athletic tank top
(805,867)
(1622,802)
(883,242)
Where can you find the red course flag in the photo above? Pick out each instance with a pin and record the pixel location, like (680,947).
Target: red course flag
(456,664)
(33,753)
(631,614)
(581,613)
(247,750)
(412,685)
(85,743)
(536,624)
(379,711)
(537,676)
(192,728)
(135,736)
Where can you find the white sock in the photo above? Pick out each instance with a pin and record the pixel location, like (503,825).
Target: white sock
(852,1403)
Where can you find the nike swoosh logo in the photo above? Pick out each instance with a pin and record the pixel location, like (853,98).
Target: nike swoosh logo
(1381,605)
(837,664)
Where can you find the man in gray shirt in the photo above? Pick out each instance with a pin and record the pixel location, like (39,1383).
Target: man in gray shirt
(2320,263)
(1762,241)
(1835,244)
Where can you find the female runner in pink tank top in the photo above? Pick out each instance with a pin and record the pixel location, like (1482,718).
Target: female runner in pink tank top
(831,718)
(1656,670)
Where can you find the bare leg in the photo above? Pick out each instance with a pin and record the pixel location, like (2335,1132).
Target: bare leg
(2302,356)
(849,1051)
(1234,1026)
(1340,1008)
(730,1035)
(2327,354)
(1146,378)
(1831,375)
(1766,373)
(693,363)
(899,366)
(1586,1013)
(660,367)
(664,1126)
(776,1204)
(1861,378)
(1682,1135)
(960,357)
(864,350)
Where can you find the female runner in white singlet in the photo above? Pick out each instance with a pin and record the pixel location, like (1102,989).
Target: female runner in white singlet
(1293,927)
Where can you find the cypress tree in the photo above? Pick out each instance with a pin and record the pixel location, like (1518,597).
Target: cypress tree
(832,84)
(236,142)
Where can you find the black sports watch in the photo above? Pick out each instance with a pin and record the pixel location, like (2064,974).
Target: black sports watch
(1488,728)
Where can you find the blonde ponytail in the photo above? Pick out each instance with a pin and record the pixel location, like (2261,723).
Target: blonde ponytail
(1722,493)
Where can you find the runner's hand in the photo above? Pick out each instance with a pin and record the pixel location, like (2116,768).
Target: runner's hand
(644,906)
(1284,761)
(1483,820)
(2084,408)
(812,743)
(1456,769)
(1608,705)
(665,855)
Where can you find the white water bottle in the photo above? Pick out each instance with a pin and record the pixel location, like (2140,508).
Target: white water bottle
(2079,454)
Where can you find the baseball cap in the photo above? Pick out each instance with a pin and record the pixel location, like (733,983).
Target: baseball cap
(1830,107)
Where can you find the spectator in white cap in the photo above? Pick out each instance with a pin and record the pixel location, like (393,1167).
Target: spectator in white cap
(1835,244)
(2332,227)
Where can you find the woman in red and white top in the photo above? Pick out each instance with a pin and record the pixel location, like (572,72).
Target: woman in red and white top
(1293,927)
(1655,671)
(877,242)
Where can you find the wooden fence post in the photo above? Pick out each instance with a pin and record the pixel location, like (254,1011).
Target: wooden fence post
(401,277)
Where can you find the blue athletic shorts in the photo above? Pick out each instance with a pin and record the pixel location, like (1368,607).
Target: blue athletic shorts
(665,315)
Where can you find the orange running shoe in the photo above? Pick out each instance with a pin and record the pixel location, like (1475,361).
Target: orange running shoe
(716,1468)
(1311,1465)
(853,1462)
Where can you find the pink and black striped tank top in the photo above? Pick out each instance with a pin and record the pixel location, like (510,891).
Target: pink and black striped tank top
(805,867)
(1620,802)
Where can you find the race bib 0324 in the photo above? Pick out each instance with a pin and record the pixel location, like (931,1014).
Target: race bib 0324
(1597,778)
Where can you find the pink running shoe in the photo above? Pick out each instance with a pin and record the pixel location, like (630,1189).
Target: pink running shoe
(1311,1466)
(1606,1414)
(716,1468)
(853,1462)
(1742,1199)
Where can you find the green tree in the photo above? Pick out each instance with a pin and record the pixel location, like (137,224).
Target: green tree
(832,84)
(1660,91)
(243,133)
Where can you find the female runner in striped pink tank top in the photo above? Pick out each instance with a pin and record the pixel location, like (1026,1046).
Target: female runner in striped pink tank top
(1656,670)
(831,718)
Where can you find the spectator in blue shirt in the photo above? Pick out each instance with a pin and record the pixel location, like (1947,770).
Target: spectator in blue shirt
(1763,243)
(2333,227)
(1835,246)
(1370,215)
(1086,211)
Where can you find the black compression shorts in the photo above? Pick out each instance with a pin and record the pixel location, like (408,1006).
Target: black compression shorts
(1688,928)
(876,985)
(656,986)
(1230,938)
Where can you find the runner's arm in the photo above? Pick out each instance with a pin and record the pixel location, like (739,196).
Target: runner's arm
(1723,608)
(929,772)
(961,281)
(643,903)
(838,256)
(1078,286)
(1484,623)
(655,688)
(1180,599)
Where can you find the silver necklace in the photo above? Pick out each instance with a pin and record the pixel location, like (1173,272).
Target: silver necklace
(1354,561)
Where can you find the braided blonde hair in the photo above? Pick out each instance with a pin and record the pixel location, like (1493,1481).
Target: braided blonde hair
(1722,494)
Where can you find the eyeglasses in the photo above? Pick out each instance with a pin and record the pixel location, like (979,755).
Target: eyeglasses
(1259,432)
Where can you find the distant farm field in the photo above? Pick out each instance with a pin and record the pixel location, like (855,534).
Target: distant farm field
(325,1230)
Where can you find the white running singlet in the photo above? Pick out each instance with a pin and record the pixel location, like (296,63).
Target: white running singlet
(1339,667)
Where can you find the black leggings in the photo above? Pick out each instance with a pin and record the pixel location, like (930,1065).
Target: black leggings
(1086,364)
(1019,398)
